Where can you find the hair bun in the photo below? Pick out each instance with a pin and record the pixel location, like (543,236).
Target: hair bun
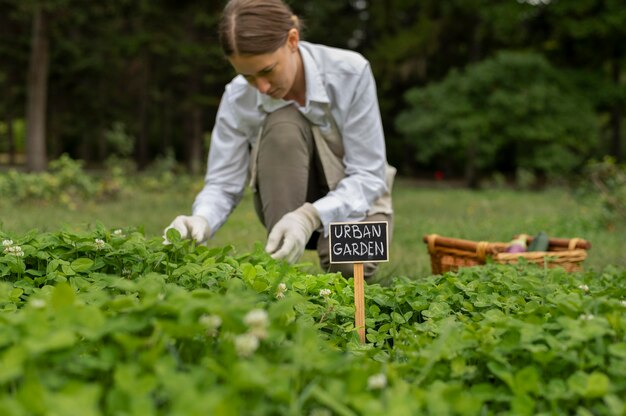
(296,21)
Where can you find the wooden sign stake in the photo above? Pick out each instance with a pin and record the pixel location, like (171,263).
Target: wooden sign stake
(359,301)
(359,243)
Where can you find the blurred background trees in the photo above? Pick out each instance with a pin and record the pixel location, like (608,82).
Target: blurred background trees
(471,88)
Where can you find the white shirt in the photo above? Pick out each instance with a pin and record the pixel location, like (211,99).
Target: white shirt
(338,79)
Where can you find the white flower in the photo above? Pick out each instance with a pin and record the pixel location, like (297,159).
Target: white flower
(256,318)
(586,317)
(584,288)
(118,233)
(246,344)
(257,321)
(7,243)
(14,251)
(377,382)
(212,323)
(126,272)
(38,303)
(259,332)
(99,244)
(624,303)
(325,293)
(280,291)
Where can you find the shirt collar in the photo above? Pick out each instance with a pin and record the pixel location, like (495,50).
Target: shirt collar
(315,91)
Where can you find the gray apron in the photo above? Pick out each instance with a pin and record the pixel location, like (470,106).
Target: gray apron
(330,150)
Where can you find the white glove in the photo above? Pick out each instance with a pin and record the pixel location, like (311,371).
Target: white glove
(193,226)
(289,236)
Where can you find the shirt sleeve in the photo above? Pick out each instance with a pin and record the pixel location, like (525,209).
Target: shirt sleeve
(227,167)
(364,159)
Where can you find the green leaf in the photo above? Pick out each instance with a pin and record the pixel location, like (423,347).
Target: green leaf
(397,318)
(32,393)
(11,363)
(557,390)
(173,235)
(82,264)
(618,350)
(76,398)
(502,373)
(248,271)
(16,293)
(329,400)
(63,295)
(598,385)
(56,340)
(67,270)
(437,310)
(523,405)
(527,380)
(592,385)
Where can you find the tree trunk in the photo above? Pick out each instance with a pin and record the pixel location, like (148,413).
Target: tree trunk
(471,173)
(10,139)
(142,136)
(194,144)
(102,144)
(616,112)
(194,151)
(194,125)
(37,90)
(476,48)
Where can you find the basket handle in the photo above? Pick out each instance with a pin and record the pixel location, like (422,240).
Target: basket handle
(573,242)
(435,239)
(481,250)
(431,239)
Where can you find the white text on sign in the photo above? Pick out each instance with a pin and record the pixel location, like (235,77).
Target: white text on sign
(358,242)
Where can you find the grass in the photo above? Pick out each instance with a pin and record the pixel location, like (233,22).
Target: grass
(490,215)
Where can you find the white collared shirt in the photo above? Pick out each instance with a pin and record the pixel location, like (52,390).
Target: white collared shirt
(338,79)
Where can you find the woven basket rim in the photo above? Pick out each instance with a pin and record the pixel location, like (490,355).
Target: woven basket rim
(567,253)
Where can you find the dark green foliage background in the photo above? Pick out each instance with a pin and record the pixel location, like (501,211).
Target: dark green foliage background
(514,111)
(156,68)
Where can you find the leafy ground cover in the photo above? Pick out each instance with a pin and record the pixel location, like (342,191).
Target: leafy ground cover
(111,322)
(490,215)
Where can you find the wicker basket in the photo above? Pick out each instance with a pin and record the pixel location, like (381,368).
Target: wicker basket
(451,253)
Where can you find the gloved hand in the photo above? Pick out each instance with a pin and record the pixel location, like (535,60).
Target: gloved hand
(190,226)
(289,236)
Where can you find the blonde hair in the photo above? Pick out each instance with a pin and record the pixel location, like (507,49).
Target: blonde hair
(255,27)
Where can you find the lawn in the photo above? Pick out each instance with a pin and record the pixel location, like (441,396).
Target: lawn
(491,215)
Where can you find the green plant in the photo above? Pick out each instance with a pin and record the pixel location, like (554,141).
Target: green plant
(65,183)
(121,142)
(109,322)
(162,173)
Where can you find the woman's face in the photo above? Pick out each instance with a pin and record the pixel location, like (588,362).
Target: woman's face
(274,73)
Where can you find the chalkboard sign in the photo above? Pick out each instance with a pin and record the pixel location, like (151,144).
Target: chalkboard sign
(358,242)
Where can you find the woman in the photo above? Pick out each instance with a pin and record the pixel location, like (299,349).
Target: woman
(302,122)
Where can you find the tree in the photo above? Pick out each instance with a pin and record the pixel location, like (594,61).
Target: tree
(156,68)
(37,92)
(411,43)
(13,58)
(513,111)
(591,34)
